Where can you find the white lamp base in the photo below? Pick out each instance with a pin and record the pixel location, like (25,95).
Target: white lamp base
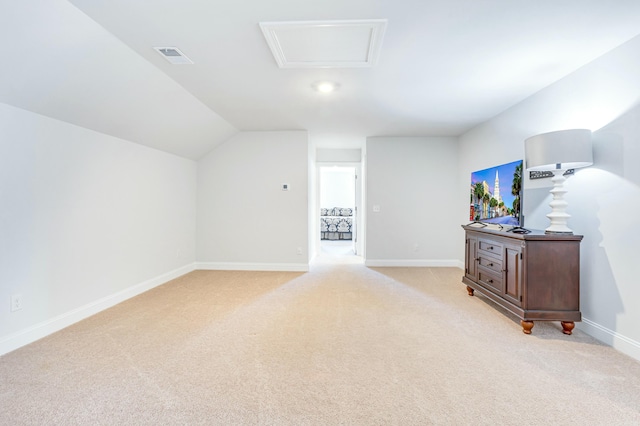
(558,215)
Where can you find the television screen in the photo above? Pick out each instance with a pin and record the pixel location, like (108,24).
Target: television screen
(496,194)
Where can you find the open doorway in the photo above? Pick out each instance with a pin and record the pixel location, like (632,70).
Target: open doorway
(339,199)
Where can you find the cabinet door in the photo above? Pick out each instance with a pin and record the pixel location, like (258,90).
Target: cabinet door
(513,275)
(470,258)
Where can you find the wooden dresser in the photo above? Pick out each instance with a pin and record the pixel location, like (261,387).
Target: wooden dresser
(535,276)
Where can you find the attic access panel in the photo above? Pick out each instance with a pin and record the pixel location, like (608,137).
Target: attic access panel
(325,44)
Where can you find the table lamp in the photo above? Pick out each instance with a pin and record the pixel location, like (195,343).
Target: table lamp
(558,152)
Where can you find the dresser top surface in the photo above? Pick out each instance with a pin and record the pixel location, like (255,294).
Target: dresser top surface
(507,231)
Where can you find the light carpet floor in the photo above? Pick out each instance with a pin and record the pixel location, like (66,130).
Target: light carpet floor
(340,345)
(337,252)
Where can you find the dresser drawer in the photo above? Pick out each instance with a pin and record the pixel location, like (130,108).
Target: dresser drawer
(490,263)
(488,247)
(490,281)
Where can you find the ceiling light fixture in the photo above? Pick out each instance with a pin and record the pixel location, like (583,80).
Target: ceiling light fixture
(325,86)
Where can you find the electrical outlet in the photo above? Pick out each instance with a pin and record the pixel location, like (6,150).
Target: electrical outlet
(416,247)
(16,302)
(299,251)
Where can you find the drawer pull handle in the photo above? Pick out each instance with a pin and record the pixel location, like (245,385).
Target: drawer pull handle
(491,248)
(491,264)
(490,281)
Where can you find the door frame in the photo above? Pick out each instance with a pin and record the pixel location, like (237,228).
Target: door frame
(359,202)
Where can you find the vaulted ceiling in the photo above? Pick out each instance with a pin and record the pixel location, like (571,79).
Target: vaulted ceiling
(443,66)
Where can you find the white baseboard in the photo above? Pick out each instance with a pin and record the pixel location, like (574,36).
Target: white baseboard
(239,266)
(38,331)
(618,341)
(421,263)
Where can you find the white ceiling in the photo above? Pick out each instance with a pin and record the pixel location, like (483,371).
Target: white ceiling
(444,66)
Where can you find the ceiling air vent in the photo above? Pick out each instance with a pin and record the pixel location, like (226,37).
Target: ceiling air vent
(173,55)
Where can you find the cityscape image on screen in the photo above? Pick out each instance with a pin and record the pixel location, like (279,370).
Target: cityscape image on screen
(495,194)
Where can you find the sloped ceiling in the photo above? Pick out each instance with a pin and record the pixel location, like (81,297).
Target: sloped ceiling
(443,68)
(60,63)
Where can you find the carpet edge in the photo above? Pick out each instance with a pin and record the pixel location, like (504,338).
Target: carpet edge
(36,332)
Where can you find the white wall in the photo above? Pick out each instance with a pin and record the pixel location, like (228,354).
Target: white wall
(313,197)
(603,199)
(245,220)
(336,155)
(415,183)
(86,221)
(337,187)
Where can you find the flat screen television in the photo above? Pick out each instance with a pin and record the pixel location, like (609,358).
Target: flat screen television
(496,195)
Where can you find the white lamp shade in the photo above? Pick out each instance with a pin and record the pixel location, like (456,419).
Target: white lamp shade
(564,149)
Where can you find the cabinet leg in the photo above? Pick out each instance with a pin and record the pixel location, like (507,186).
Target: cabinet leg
(526,326)
(470,291)
(567,326)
